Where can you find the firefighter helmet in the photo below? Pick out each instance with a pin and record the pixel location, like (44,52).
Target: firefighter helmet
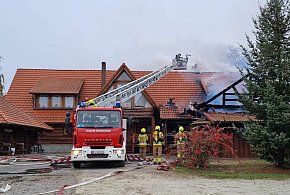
(143,130)
(91,102)
(157,128)
(181,128)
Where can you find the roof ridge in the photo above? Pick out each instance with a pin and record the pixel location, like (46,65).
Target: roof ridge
(62,69)
(56,69)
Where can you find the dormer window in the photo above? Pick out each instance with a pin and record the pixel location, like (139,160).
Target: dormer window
(55,101)
(56,93)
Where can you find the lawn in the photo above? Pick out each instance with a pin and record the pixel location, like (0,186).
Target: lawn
(246,169)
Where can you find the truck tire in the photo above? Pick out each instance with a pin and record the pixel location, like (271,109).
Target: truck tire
(77,165)
(121,163)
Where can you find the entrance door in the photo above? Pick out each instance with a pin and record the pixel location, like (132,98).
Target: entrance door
(134,130)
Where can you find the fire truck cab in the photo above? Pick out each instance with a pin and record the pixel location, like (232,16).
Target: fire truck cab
(99,135)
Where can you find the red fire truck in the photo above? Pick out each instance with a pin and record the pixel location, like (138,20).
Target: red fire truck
(98,135)
(99,130)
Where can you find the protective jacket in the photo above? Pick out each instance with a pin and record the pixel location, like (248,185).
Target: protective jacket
(143,140)
(180,137)
(158,138)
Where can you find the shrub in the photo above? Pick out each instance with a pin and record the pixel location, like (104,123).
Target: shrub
(204,143)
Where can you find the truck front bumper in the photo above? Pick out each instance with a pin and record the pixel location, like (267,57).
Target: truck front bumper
(86,154)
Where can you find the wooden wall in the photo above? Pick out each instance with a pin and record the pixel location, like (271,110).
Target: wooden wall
(58,136)
(242,148)
(18,134)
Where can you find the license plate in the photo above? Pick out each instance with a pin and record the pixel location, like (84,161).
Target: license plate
(97,152)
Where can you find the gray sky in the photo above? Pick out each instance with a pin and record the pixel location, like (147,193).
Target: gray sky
(146,35)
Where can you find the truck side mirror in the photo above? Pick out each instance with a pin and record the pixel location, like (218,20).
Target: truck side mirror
(67,123)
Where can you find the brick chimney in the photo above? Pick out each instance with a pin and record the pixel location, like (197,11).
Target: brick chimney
(103,74)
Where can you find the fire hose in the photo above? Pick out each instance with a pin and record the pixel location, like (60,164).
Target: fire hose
(61,190)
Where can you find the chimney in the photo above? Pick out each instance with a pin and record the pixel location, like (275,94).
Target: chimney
(171,104)
(103,74)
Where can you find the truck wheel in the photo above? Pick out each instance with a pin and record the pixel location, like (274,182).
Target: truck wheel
(121,163)
(77,165)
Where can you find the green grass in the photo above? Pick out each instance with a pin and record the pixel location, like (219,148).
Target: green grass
(248,169)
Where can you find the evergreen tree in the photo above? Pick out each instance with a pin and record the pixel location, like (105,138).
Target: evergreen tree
(267,94)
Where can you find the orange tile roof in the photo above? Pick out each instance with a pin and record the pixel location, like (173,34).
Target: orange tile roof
(229,117)
(172,113)
(58,85)
(9,114)
(181,86)
(25,79)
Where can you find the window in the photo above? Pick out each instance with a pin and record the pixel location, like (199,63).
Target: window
(43,102)
(127,104)
(124,77)
(140,101)
(69,102)
(55,102)
(98,118)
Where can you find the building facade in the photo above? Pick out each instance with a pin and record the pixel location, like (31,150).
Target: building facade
(48,94)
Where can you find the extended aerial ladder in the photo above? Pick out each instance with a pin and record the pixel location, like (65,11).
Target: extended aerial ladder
(100,130)
(127,91)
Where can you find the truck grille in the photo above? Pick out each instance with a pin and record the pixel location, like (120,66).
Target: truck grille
(98,143)
(98,147)
(97,155)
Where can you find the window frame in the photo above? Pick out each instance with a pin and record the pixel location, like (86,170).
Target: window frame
(47,101)
(37,97)
(73,102)
(119,83)
(59,102)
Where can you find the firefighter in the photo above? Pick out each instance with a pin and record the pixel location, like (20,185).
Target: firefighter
(91,103)
(158,141)
(143,142)
(180,139)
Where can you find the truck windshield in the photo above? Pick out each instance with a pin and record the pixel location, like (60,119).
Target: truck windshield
(98,118)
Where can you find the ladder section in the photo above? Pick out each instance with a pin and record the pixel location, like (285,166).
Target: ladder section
(118,90)
(127,91)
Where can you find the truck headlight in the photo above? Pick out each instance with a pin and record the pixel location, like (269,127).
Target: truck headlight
(118,152)
(76,152)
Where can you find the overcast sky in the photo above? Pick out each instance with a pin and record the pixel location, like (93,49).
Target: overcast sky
(146,35)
